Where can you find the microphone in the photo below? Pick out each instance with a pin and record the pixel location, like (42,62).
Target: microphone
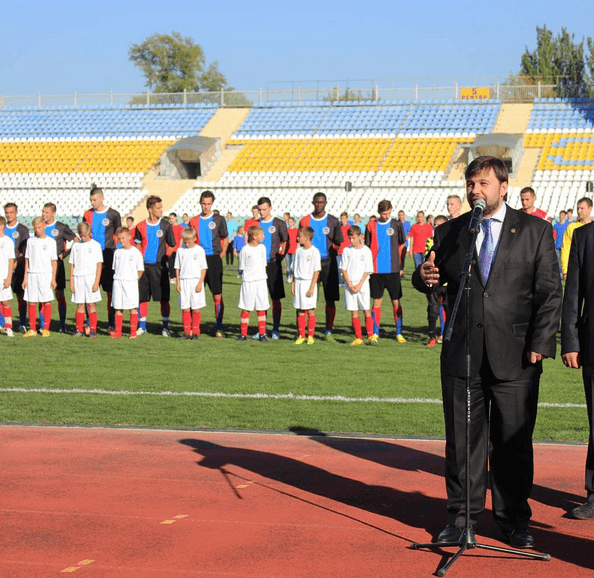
(477,214)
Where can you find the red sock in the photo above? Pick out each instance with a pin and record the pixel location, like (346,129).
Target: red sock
(7,313)
(79,318)
(47,315)
(143,310)
(32,316)
(119,318)
(311,324)
(357,327)
(196,318)
(301,324)
(261,322)
(245,319)
(133,324)
(377,314)
(92,322)
(369,326)
(187,321)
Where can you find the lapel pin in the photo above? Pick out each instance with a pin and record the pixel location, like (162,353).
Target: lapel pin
(512,230)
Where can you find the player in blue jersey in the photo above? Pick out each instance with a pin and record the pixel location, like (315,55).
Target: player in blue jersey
(104,223)
(385,237)
(152,237)
(19,234)
(327,238)
(275,240)
(60,233)
(214,239)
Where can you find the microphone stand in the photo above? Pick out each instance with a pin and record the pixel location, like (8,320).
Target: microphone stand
(467,539)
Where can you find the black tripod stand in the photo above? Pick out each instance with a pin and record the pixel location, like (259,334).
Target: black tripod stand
(467,539)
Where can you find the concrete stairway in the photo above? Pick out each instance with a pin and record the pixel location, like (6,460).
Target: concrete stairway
(224,123)
(513,118)
(523,176)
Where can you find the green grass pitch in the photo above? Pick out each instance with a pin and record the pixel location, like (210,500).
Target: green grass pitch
(155,364)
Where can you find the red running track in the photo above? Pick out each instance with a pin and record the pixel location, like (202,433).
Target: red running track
(139,503)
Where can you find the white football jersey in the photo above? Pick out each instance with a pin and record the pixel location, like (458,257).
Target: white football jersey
(307,262)
(41,253)
(252,263)
(356,262)
(127,263)
(84,257)
(6,253)
(190,262)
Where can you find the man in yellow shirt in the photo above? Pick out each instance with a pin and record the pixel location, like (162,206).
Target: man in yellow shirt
(584,210)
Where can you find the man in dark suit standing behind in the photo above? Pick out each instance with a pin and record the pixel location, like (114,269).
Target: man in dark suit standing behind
(515,306)
(577,338)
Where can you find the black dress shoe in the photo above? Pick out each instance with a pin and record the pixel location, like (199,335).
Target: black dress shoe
(519,538)
(452,534)
(584,512)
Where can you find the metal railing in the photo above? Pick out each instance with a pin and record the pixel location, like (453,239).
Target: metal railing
(295,94)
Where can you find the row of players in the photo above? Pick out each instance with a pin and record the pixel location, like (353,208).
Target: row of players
(385,237)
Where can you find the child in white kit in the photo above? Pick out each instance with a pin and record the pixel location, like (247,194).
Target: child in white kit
(190,272)
(356,266)
(306,271)
(86,264)
(253,295)
(41,265)
(128,266)
(7,260)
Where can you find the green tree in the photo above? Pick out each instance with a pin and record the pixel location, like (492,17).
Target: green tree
(171,63)
(561,61)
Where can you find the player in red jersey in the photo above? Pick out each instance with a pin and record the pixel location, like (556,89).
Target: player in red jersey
(171,251)
(344,227)
(527,198)
(292,246)
(419,233)
(253,222)
(212,235)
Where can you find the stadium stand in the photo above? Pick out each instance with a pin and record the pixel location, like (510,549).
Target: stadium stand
(55,154)
(564,132)
(401,150)
(398,150)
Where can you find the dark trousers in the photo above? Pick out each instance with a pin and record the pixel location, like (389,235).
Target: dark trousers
(503,414)
(588,375)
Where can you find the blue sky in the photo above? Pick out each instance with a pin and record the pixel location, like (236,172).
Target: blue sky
(62,47)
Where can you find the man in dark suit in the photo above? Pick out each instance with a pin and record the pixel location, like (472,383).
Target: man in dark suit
(515,306)
(577,338)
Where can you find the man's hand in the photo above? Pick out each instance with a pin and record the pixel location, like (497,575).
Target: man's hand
(429,272)
(572,359)
(534,357)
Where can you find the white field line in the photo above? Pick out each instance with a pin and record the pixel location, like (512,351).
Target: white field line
(289,396)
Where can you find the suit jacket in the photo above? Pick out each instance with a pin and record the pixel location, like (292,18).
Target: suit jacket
(516,311)
(577,326)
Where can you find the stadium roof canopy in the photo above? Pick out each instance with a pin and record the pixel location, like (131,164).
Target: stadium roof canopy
(498,144)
